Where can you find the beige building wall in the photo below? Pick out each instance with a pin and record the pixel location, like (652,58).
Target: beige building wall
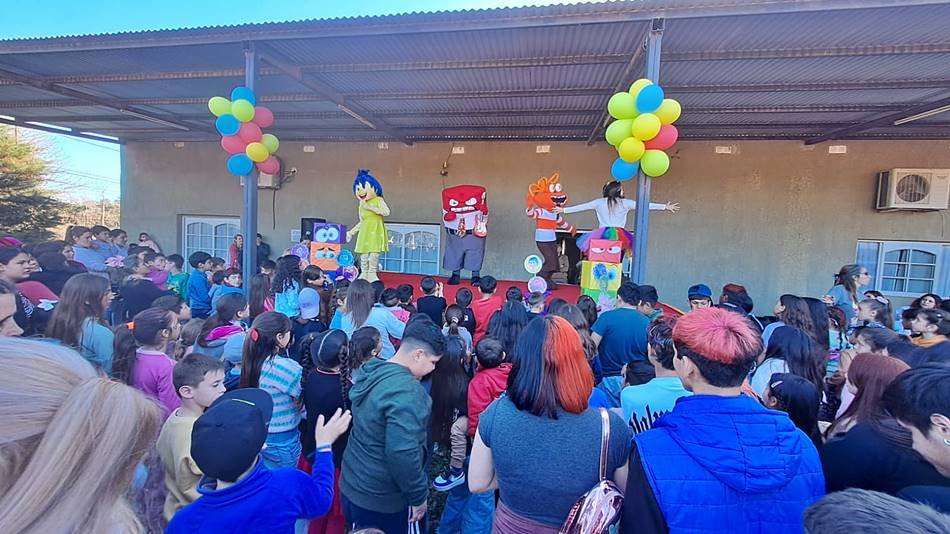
(775,216)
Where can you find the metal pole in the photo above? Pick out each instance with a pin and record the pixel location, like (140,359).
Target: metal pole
(249,220)
(641,223)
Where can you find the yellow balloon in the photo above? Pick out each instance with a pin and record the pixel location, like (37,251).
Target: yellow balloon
(630,149)
(654,163)
(645,127)
(218,105)
(270,142)
(639,84)
(668,111)
(618,131)
(622,106)
(243,110)
(257,152)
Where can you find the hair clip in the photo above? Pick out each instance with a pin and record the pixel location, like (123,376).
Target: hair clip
(255,335)
(882,300)
(130,325)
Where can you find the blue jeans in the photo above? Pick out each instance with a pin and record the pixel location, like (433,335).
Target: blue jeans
(282,449)
(466,512)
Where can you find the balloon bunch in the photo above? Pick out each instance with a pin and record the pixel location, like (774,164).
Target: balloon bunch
(643,130)
(239,121)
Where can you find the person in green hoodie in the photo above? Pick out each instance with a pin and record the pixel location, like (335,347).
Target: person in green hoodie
(383,483)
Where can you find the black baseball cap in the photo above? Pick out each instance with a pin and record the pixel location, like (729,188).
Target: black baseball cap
(227,438)
(648,294)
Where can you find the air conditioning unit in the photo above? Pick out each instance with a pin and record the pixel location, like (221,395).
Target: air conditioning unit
(913,189)
(268,181)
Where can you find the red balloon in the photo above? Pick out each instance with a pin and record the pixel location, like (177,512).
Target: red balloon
(269,166)
(250,133)
(233,144)
(263,117)
(663,140)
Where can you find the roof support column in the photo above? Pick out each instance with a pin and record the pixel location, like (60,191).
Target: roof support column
(641,223)
(249,219)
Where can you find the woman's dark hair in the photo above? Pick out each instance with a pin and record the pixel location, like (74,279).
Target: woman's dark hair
(819,313)
(339,293)
(917,394)
(881,308)
(260,345)
(53,262)
(144,329)
(310,272)
(514,293)
(587,306)
(870,374)
(454,315)
(839,321)
(936,317)
(226,310)
(613,192)
(378,288)
(287,273)
(449,389)
(389,298)
(937,300)
(80,299)
(801,354)
(549,369)
(876,338)
(507,323)
(74,233)
(326,351)
(360,299)
(800,399)
(797,314)
(362,344)
(575,316)
(49,246)
(846,276)
(463,297)
(260,292)
(555,305)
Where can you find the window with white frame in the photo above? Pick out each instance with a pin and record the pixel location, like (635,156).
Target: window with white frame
(906,269)
(413,248)
(209,234)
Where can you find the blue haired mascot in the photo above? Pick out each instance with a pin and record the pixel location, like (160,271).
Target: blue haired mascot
(372,239)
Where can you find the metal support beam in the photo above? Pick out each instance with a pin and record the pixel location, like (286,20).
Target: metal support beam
(622,82)
(70,132)
(310,81)
(819,52)
(641,223)
(886,120)
(249,220)
(37,83)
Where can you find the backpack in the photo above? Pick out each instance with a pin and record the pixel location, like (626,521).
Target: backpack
(598,509)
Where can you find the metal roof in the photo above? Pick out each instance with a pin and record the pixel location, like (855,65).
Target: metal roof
(799,69)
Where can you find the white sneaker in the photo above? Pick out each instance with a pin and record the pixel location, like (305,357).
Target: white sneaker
(441,483)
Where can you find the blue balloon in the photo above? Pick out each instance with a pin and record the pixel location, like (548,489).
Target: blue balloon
(650,98)
(243,93)
(227,124)
(623,171)
(240,165)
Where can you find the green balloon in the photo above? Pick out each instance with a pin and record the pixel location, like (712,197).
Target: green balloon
(622,106)
(646,126)
(617,131)
(218,105)
(243,110)
(270,142)
(654,163)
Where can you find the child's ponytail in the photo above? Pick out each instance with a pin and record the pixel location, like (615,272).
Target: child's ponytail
(454,315)
(144,329)
(261,344)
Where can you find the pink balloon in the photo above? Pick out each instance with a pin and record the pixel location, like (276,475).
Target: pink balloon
(269,166)
(263,117)
(663,140)
(250,132)
(233,144)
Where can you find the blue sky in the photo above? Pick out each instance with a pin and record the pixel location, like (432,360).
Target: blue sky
(90,169)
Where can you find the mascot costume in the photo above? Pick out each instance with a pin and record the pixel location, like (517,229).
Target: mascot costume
(372,239)
(544,196)
(465,213)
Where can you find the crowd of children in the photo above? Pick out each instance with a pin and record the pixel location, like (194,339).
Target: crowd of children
(317,404)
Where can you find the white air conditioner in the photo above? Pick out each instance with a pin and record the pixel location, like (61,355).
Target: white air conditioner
(913,189)
(268,181)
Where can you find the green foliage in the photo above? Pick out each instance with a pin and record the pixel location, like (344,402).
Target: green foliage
(27,209)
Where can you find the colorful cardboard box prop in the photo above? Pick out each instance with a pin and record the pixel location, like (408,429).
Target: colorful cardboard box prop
(605,250)
(326,244)
(600,276)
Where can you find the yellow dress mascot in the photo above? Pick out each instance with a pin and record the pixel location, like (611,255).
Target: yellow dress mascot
(372,238)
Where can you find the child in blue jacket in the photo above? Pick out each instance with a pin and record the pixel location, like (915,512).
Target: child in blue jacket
(199,298)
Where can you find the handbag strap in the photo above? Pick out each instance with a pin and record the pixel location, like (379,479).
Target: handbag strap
(604,440)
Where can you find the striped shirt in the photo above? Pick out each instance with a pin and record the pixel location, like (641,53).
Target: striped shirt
(280,376)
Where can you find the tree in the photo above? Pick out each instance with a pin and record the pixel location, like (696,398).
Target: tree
(28,210)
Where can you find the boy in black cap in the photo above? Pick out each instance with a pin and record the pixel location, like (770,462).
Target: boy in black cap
(238,493)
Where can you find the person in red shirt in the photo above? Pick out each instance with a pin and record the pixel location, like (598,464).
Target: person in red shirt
(486,306)
(490,380)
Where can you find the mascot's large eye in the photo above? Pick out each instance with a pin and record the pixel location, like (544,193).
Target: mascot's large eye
(614,249)
(551,188)
(453,202)
(557,187)
(333,234)
(597,250)
(331,255)
(321,236)
(471,202)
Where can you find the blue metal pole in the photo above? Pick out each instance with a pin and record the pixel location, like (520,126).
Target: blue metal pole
(249,220)
(641,223)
